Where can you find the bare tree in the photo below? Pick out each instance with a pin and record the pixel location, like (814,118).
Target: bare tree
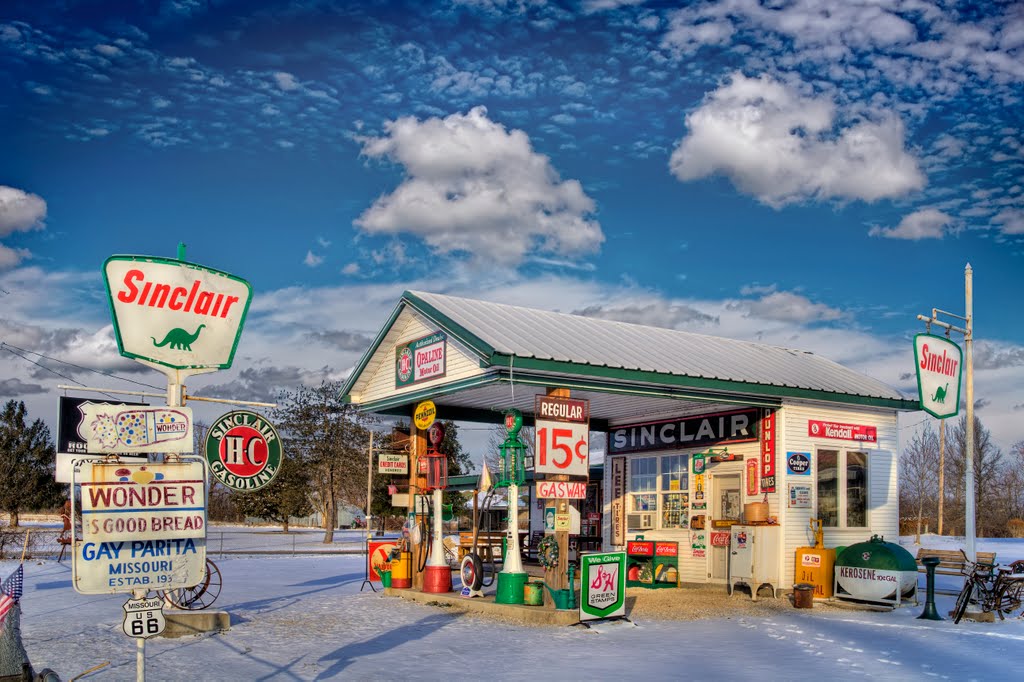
(919,468)
(988,484)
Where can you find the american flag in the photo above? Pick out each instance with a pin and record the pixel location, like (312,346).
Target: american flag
(10,591)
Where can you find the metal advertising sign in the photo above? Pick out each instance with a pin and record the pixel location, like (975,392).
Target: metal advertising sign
(175,313)
(125,428)
(388,463)
(710,429)
(562,443)
(603,582)
(858,432)
(424,414)
(938,362)
(379,557)
(143,527)
(144,618)
(569,490)
(618,519)
(768,452)
(421,359)
(798,463)
(753,480)
(244,450)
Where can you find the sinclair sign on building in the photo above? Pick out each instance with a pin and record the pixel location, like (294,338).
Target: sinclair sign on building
(176,314)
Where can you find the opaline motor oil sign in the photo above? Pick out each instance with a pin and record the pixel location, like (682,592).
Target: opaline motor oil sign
(421,359)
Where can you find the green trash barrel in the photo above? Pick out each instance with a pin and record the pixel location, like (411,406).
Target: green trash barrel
(385,578)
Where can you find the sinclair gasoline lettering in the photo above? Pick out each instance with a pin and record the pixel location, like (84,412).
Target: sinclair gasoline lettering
(729,427)
(244,450)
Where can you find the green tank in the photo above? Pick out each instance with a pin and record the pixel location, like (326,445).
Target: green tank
(875,570)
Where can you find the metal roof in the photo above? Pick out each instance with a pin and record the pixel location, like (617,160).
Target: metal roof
(523,344)
(561,337)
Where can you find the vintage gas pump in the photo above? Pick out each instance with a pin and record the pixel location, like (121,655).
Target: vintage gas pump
(437,576)
(512,578)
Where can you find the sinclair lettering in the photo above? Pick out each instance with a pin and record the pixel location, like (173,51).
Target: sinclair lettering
(244,450)
(729,427)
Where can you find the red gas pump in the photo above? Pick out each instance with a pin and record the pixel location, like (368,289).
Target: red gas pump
(437,576)
(437,462)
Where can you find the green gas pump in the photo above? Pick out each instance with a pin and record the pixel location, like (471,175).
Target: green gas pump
(512,578)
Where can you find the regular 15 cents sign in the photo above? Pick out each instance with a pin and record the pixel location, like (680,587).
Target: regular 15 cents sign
(938,361)
(562,427)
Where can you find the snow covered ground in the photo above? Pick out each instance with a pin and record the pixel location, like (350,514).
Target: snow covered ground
(303,617)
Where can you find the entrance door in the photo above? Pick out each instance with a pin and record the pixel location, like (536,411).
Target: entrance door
(725,506)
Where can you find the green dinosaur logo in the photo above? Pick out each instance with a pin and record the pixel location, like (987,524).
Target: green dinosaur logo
(940,394)
(179,339)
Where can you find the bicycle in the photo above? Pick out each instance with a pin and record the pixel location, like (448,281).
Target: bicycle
(993,588)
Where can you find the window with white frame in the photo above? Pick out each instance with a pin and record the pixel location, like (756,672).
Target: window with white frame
(659,491)
(842,488)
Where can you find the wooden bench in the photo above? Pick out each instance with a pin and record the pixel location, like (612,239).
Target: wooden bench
(488,544)
(951,561)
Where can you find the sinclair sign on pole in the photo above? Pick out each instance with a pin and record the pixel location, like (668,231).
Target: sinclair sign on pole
(938,362)
(176,314)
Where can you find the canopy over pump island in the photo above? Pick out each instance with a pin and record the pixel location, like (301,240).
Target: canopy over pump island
(713,448)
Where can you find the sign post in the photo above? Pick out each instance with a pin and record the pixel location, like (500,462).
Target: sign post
(968,331)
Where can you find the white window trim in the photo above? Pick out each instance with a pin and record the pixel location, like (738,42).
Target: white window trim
(841,485)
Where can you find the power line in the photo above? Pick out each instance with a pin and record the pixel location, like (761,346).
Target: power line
(8,346)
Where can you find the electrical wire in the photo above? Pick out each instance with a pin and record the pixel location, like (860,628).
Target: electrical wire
(5,345)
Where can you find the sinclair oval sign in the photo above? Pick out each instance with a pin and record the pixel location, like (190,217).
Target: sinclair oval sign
(174,313)
(938,362)
(244,450)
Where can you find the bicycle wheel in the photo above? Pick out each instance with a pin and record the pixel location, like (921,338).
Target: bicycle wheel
(198,596)
(961,602)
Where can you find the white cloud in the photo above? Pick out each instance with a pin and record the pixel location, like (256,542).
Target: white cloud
(20,211)
(786,306)
(312,260)
(10,257)
(784,147)
(286,81)
(926,223)
(108,50)
(472,186)
(1010,220)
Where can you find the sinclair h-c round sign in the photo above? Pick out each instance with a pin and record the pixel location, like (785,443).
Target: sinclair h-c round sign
(244,450)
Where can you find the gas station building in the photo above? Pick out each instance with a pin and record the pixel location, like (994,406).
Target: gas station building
(699,434)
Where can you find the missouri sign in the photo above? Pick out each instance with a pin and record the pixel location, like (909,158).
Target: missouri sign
(938,362)
(176,314)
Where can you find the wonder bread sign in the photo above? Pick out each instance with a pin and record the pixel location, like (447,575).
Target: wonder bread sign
(176,314)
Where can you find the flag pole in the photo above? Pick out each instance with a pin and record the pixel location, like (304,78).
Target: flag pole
(25,548)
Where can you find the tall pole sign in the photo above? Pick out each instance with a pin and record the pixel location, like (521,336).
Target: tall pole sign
(942,365)
(938,362)
(175,314)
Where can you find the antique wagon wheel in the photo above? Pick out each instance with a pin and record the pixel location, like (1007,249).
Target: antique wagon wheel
(198,596)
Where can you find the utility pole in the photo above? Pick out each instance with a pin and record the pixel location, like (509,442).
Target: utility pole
(967,330)
(942,469)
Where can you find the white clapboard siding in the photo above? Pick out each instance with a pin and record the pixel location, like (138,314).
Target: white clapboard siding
(410,325)
(691,569)
(883,497)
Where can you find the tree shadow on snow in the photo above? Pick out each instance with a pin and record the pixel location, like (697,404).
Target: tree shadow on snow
(382,643)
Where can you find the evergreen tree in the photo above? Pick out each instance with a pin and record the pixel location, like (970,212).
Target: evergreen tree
(286,496)
(27,460)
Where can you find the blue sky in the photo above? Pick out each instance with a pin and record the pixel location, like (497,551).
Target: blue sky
(809,174)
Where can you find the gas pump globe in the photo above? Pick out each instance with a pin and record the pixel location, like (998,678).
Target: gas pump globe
(512,452)
(437,462)
(512,578)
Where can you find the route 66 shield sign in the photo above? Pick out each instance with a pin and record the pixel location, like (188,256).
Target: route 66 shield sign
(143,618)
